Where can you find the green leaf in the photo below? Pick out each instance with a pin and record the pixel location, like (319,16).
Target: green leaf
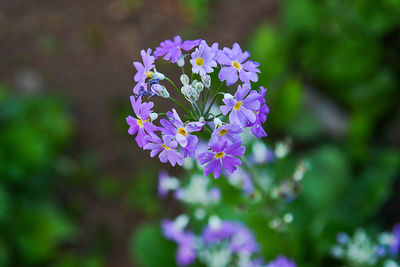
(150,249)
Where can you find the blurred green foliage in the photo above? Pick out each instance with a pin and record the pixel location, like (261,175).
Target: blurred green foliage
(34,223)
(347,52)
(342,48)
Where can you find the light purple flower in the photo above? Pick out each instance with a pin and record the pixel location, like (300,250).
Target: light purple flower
(234,66)
(172,50)
(221,154)
(186,253)
(261,115)
(181,132)
(166,147)
(240,239)
(141,124)
(281,261)
(143,70)
(203,59)
(242,108)
(395,245)
(229,132)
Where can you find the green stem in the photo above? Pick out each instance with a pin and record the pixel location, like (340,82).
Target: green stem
(180,105)
(183,70)
(176,88)
(219,115)
(213,100)
(196,108)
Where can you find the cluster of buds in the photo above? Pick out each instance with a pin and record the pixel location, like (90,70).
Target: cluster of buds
(208,110)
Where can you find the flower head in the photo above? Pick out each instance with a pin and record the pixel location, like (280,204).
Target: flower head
(242,106)
(142,123)
(166,147)
(203,59)
(143,70)
(234,65)
(221,154)
(172,50)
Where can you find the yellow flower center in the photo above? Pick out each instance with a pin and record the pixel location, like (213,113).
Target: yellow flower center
(237,65)
(255,112)
(165,147)
(149,74)
(223,132)
(182,131)
(199,61)
(219,155)
(140,122)
(238,105)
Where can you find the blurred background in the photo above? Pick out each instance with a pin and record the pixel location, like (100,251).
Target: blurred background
(74,186)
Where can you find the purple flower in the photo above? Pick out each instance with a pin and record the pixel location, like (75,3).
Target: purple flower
(143,70)
(242,108)
(221,155)
(395,245)
(166,147)
(203,59)
(141,124)
(261,115)
(186,253)
(281,261)
(181,132)
(172,50)
(239,238)
(234,66)
(230,132)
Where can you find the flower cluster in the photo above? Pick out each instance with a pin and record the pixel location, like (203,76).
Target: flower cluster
(221,243)
(362,250)
(208,109)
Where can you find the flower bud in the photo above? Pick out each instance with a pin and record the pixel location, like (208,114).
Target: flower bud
(158,75)
(163,92)
(185,79)
(153,116)
(228,96)
(206,79)
(198,86)
(217,122)
(181,61)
